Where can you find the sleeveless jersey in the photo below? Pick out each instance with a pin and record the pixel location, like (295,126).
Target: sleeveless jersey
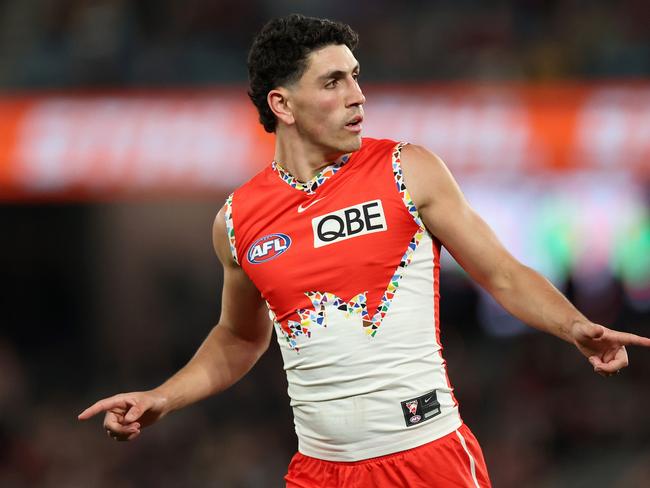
(350,276)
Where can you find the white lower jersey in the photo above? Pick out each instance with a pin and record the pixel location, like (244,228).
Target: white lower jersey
(349,391)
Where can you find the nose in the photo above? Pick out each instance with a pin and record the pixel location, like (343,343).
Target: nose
(356,97)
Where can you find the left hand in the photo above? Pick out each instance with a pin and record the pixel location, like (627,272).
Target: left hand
(605,348)
(127,413)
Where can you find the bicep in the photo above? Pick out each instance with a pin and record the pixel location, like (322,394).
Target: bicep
(243,310)
(448,216)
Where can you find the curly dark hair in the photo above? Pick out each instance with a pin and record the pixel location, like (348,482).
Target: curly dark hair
(279,54)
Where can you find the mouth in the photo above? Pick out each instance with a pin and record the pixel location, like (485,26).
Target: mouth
(354,125)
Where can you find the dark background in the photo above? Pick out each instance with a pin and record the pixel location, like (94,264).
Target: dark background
(99,297)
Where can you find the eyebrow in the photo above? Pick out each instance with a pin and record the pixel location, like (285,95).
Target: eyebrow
(337,73)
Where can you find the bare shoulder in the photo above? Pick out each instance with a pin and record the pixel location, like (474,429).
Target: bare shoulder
(416,155)
(426,175)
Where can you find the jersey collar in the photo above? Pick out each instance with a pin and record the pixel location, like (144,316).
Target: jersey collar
(312,185)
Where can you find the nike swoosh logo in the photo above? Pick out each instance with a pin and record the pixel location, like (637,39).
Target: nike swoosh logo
(427,400)
(302,208)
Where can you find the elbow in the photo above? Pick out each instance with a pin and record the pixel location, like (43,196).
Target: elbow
(503,281)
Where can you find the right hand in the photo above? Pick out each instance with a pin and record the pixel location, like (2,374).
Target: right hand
(128,413)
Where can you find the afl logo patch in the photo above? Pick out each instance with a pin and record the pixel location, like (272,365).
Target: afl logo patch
(268,247)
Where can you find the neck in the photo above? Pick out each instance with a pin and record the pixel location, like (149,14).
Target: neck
(301,158)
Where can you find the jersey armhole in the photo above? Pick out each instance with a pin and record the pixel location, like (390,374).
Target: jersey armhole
(396,158)
(230,228)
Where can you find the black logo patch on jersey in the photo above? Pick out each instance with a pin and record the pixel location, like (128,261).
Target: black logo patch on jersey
(346,223)
(420,409)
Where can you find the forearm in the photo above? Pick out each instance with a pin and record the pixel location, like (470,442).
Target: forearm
(531,298)
(221,361)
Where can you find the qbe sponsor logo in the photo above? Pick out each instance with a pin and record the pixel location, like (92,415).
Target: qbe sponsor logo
(346,223)
(268,247)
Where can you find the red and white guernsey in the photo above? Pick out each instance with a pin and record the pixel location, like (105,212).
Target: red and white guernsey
(350,275)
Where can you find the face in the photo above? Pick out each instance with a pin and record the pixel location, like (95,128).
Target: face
(327,103)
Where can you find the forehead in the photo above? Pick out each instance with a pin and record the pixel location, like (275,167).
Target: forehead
(335,57)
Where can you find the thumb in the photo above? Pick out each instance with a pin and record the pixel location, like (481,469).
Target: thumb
(595,362)
(134,413)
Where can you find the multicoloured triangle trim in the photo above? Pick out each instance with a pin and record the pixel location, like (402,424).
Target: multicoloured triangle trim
(230,229)
(312,185)
(401,187)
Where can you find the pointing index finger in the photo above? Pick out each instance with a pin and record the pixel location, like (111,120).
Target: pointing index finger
(101,406)
(627,339)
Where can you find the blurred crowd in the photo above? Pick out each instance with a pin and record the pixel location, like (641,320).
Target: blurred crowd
(80,43)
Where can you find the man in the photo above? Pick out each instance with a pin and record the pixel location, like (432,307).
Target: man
(341,238)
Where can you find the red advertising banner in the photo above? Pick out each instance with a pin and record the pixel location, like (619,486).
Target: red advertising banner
(102,145)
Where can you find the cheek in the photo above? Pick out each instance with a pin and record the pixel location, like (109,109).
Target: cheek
(319,117)
(330,118)
(328,106)
(322,113)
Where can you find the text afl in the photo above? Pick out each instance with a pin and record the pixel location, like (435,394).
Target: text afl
(268,247)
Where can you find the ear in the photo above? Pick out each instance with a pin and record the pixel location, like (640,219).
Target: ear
(278,100)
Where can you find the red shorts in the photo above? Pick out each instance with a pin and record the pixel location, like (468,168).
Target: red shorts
(454,460)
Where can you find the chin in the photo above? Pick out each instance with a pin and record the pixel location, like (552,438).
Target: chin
(344,146)
(354,144)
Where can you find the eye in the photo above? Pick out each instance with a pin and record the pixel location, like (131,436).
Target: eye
(332,83)
(355,76)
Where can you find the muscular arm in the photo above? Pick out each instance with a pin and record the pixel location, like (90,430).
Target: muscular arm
(234,345)
(519,289)
(229,351)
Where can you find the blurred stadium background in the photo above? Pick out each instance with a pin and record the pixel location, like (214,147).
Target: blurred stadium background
(125,124)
